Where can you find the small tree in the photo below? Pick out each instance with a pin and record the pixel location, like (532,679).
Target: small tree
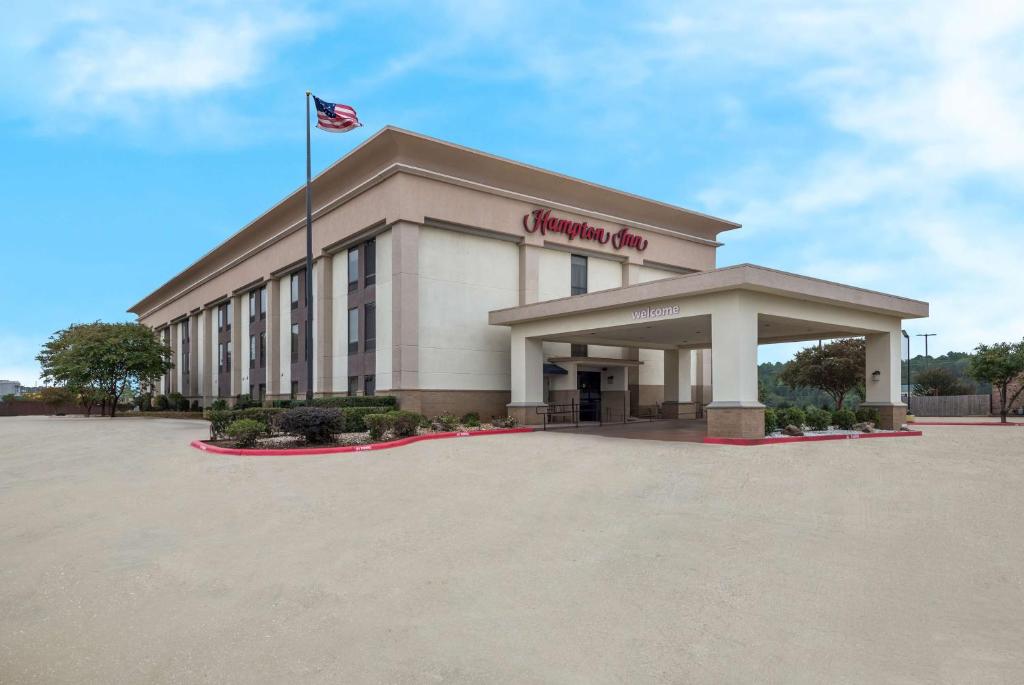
(836,368)
(1000,364)
(55,397)
(939,381)
(100,361)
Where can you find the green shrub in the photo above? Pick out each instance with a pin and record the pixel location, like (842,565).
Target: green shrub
(387,401)
(174,401)
(504,422)
(245,432)
(245,402)
(818,419)
(792,416)
(444,422)
(315,425)
(472,419)
(771,421)
(865,414)
(160,403)
(220,419)
(219,404)
(393,425)
(353,417)
(145,402)
(844,418)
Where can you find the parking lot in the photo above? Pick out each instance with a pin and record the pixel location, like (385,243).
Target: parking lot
(127,556)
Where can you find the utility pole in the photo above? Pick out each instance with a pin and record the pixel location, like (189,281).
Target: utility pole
(926,336)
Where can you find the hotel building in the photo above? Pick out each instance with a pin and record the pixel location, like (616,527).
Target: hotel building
(459,281)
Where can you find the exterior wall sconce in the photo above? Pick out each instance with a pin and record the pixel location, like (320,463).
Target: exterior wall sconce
(875,375)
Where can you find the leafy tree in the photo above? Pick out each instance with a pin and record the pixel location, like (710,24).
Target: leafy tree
(1000,364)
(939,381)
(836,368)
(55,397)
(101,361)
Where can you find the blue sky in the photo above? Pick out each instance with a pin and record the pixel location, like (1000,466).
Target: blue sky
(875,145)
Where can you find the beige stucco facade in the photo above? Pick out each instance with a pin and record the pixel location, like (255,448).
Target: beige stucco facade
(461,295)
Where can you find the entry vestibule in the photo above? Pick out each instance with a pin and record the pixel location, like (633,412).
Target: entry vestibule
(729,311)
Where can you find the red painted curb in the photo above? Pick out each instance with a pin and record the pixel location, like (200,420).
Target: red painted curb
(807,438)
(308,451)
(967,423)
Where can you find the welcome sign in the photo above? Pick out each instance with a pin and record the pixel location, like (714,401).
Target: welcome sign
(655,312)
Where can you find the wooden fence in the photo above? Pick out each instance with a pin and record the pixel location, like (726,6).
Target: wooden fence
(951,405)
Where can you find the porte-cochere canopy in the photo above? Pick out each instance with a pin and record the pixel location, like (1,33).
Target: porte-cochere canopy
(729,311)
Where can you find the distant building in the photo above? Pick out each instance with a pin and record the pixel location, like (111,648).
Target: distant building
(10,388)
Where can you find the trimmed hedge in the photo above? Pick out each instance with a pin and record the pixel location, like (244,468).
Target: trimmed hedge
(388,401)
(844,418)
(393,425)
(771,421)
(353,417)
(792,416)
(818,419)
(868,414)
(245,432)
(220,419)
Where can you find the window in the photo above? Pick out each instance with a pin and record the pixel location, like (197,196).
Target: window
(295,342)
(577,350)
(252,305)
(353,386)
(353,268)
(252,353)
(263,302)
(220,356)
(369,385)
(262,391)
(220,318)
(229,314)
(227,358)
(251,388)
(353,330)
(578,283)
(295,291)
(370,268)
(295,389)
(370,323)
(263,349)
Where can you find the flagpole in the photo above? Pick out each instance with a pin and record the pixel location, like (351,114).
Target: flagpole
(309,265)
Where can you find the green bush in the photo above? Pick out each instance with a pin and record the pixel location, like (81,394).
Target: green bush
(245,402)
(219,404)
(472,419)
(245,432)
(315,425)
(387,401)
(865,414)
(792,416)
(174,401)
(145,402)
(160,403)
(844,418)
(220,419)
(353,417)
(444,422)
(818,419)
(771,421)
(393,425)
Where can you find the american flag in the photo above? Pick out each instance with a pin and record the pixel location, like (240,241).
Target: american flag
(336,118)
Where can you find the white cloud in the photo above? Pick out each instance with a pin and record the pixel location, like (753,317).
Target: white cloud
(136,62)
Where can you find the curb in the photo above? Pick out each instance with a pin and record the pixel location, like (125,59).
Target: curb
(968,423)
(746,442)
(310,451)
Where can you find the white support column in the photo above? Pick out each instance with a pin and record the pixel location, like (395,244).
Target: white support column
(678,402)
(735,412)
(882,377)
(527,378)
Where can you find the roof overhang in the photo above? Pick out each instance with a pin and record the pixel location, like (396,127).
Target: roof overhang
(741,277)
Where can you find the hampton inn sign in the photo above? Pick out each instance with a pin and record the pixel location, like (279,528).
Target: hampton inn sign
(541,220)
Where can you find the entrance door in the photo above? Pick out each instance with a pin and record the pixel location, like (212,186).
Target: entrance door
(589,384)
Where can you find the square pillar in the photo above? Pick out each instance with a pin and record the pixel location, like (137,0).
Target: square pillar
(735,411)
(678,402)
(882,389)
(323,325)
(405,307)
(527,379)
